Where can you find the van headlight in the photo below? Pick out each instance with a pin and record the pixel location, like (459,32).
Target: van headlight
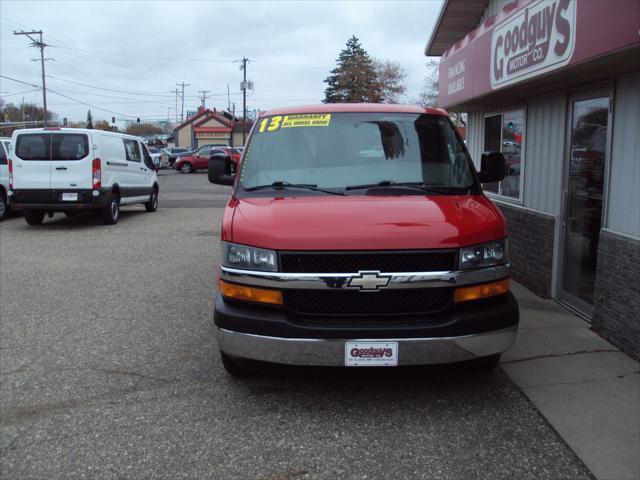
(248,258)
(485,255)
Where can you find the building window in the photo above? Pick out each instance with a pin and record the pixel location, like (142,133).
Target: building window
(504,133)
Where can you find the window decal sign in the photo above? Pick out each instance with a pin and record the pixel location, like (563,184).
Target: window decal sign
(538,39)
(277,122)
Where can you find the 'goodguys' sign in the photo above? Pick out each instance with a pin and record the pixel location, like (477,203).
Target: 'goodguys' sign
(530,39)
(538,39)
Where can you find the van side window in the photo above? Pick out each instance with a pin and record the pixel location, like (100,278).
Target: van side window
(148,161)
(69,146)
(3,153)
(34,146)
(132,149)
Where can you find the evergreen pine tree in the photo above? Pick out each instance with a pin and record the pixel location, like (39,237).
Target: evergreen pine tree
(89,120)
(354,79)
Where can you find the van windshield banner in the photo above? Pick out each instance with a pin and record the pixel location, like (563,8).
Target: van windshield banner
(532,38)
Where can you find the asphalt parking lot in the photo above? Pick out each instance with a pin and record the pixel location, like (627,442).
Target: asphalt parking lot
(109,369)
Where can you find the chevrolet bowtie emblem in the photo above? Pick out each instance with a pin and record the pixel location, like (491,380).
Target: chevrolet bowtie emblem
(369,281)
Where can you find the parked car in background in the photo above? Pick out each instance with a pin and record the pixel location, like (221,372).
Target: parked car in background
(174,152)
(72,170)
(199,160)
(159,157)
(5,197)
(233,155)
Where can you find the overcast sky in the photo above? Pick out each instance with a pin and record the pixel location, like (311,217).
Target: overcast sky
(128,56)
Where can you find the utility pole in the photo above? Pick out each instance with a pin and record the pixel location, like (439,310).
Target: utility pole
(244,99)
(182,97)
(40,44)
(204,96)
(228,99)
(176,92)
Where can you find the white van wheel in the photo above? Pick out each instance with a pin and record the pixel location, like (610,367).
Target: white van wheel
(152,204)
(111,211)
(3,206)
(34,217)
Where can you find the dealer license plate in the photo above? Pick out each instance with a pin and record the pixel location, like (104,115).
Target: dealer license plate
(69,197)
(371,354)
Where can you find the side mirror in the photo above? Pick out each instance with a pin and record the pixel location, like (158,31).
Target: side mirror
(219,170)
(492,167)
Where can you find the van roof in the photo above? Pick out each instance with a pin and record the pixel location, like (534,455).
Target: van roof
(354,108)
(74,130)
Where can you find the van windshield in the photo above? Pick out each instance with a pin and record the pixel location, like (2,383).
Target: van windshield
(352,152)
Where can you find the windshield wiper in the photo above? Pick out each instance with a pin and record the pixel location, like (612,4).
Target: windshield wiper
(410,185)
(285,185)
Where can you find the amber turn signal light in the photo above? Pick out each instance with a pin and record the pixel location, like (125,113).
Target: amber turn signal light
(484,290)
(250,294)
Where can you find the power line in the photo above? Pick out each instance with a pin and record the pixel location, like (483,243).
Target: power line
(21,93)
(111,89)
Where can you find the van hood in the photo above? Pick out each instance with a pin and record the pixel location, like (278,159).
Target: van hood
(365,223)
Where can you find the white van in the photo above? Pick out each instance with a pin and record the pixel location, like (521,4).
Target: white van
(5,197)
(73,169)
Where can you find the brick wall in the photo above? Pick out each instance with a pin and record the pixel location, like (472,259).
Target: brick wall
(530,247)
(617,295)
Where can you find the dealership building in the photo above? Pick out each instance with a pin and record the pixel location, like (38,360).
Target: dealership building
(555,86)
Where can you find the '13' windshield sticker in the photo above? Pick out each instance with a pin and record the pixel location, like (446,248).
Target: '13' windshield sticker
(277,122)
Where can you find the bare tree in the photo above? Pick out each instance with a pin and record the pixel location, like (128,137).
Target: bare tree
(429,94)
(390,77)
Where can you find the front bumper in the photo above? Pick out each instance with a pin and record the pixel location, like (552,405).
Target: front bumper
(459,333)
(330,352)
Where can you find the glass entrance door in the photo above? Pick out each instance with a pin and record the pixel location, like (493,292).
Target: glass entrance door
(583,200)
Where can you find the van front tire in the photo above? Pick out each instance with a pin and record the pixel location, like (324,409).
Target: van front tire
(231,366)
(152,204)
(111,211)
(34,217)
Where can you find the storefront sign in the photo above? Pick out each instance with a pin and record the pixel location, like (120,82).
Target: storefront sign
(212,135)
(538,39)
(530,38)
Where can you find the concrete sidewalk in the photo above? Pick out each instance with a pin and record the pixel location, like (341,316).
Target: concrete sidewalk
(585,387)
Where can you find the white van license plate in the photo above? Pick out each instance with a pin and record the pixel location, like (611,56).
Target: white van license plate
(69,197)
(371,354)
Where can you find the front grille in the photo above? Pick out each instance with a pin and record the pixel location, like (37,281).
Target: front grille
(352,262)
(384,302)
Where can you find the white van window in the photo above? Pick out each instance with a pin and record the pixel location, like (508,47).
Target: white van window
(148,161)
(69,146)
(34,146)
(132,149)
(3,153)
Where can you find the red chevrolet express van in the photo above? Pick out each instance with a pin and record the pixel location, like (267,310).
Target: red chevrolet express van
(358,235)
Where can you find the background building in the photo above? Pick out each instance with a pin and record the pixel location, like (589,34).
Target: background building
(555,86)
(209,126)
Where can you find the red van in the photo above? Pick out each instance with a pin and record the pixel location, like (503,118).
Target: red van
(358,235)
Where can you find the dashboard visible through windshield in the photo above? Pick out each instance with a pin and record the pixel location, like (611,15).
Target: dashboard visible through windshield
(348,153)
